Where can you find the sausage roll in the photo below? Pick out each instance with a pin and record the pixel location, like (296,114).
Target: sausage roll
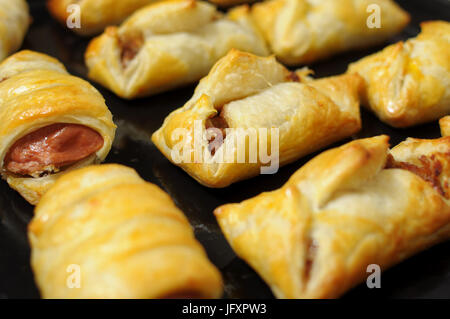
(103,232)
(349,207)
(409,82)
(95,15)
(286,112)
(168,44)
(14,22)
(303,31)
(445,125)
(51,122)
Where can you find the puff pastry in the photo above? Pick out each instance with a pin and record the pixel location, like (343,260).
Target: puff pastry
(244,91)
(124,235)
(14,22)
(95,15)
(349,207)
(444,123)
(303,31)
(409,82)
(51,122)
(168,44)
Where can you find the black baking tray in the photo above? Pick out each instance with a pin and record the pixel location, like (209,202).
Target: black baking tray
(426,275)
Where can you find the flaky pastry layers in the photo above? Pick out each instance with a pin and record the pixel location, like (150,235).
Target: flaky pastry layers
(349,207)
(303,31)
(14,21)
(167,45)
(51,122)
(408,83)
(95,15)
(247,92)
(125,236)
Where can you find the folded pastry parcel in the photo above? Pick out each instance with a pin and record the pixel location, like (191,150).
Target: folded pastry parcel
(167,45)
(249,107)
(14,22)
(52,122)
(103,232)
(350,207)
(303,31)
(408,83)
(94,15)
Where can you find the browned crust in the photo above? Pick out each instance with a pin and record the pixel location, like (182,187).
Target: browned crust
(57,9)
(430,170)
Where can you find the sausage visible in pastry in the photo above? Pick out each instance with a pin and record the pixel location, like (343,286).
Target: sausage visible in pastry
(257,94)
(348,208)
(51,122)
(103,232)
(14,21)
(408,83)
(304,31)
(167,45)
(56,145)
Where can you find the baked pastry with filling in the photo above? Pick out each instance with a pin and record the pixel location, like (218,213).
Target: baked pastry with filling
(408,83)
(349,207)
(167,45)
(103,232)
(14,21)
(52,122)
(304,31)
(286,115)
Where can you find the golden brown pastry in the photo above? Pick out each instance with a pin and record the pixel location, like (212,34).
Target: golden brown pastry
(95,15)
(444,123)
(245,93)
(349,207)
(14,22)
(167,45)
(125,236)
(304,31)
(408,83)
(51,122)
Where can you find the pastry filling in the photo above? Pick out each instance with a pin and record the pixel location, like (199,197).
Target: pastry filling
(247,110)
(130,45)
(217,125)
(52,148)
(430,170)
(293,77)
